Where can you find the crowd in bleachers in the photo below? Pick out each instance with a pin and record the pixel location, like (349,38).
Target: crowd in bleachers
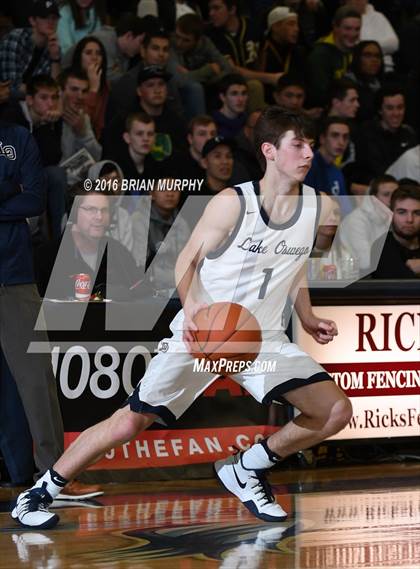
(171,89)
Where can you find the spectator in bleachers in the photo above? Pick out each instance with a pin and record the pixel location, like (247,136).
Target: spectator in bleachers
(217,161)
(168,11)
(245,148)
(196,55)
(121,44)
(331,56)
(280,50)
(200,129)
(238,40)
(407,165)
(376,26)
(151,224)
(231,117)
(366,70)
(344,103)
(77,128)
(79,18)
(120,227)
(134,157)
(399,258)
(232,34)
(343,100)
(25,52)
(410,69)
(324,175)
(367,222)
(195,62)
(152,99)
(40,113)
(313,21)
(86,248)
(154,50)
(290,93)
(383,139)
(90,57)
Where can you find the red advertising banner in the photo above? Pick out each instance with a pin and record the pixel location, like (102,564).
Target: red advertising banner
(380,379)
(178,447)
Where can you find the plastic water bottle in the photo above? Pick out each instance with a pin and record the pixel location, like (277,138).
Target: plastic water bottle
(349,265)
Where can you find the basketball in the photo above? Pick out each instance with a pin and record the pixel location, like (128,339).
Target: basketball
(227,332)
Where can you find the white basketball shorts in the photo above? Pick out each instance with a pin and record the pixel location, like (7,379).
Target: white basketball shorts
(174,379)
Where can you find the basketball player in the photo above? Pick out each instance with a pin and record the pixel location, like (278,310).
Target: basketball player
(257,236)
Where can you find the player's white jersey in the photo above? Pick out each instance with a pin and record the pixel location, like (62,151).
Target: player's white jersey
(256,266)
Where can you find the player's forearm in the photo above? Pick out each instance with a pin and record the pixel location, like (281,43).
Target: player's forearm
(187,280)
(303,304)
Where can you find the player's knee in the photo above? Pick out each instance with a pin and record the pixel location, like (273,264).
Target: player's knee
(340,415)
(129,425)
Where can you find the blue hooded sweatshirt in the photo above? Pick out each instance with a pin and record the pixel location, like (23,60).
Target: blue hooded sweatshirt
(22,195)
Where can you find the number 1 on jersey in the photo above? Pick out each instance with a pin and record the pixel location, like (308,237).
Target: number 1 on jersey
(263,290)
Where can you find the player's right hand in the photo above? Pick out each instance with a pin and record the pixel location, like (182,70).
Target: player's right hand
(190,310)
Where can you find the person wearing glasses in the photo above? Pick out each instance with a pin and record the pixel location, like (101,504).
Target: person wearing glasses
(86,247)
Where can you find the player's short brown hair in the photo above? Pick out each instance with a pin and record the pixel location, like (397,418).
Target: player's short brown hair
(273,124)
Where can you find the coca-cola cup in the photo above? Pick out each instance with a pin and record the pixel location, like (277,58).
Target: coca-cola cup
(82,286)
(329,272)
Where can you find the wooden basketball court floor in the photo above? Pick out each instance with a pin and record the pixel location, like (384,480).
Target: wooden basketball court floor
(352,517)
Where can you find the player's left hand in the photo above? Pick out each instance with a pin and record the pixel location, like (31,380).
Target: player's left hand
(321,330)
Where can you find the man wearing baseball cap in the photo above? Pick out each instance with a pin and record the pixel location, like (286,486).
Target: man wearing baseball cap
(280,51)
(152,99)
(217,160)
(153,72)
(25,52)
